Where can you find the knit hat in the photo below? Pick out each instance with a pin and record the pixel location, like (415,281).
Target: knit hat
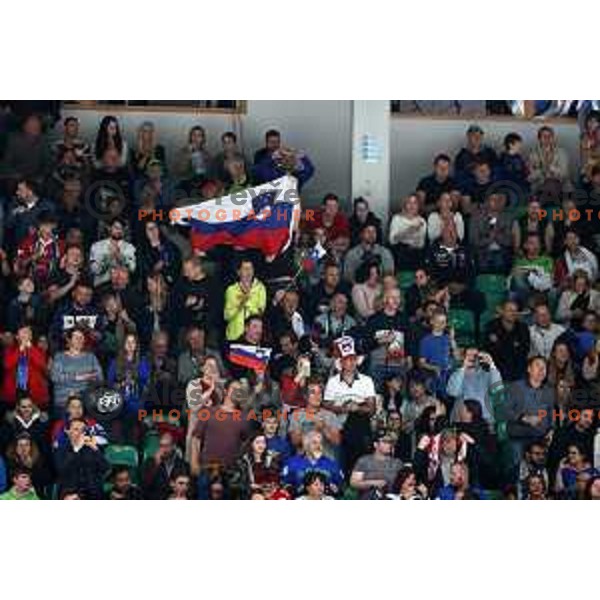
(345,347)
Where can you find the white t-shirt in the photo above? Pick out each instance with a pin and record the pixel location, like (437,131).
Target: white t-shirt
(339,393)
(322,498)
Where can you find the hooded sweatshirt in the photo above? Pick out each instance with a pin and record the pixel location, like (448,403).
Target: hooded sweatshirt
(12,495)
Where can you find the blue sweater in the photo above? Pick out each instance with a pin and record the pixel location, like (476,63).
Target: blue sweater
(132,387)
(436,350)
(298,466)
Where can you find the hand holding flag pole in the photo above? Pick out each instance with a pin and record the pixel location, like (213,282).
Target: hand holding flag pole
(308,261)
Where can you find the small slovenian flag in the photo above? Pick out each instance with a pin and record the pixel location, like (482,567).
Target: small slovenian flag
(252,357)
(312,258)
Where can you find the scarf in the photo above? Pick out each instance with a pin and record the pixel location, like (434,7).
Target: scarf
(22,372)
(580,260)
(433,452)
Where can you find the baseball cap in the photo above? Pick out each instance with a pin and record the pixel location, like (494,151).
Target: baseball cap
(383,435)
(475,129)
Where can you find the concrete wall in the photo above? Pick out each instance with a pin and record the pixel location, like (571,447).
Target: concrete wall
(415,141)
(322,128)
(325,130)
(371,154)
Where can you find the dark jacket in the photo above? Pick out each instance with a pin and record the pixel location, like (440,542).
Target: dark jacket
(82,471)
(509,349)
(466,159)
(268,170)
(167,253)
(20,221)
(524,400)
(356,226)
(155,478)
(448,266)
(566,436)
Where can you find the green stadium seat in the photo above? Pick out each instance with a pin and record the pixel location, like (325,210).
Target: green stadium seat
(494,284)
(487,317)
(122,455)
(502,431)
(463,322)
(405,279)
(151,443)
(493,495)
(349,494)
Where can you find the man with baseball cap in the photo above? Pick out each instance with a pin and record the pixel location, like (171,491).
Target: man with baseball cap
(474,151)
(375,473)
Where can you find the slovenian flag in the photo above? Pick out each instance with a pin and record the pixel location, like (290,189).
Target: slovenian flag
(252,357)
(262,218)
(313,256)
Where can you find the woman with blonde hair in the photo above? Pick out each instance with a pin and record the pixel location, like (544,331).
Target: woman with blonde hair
(445,213)
(408,232)
(146,150)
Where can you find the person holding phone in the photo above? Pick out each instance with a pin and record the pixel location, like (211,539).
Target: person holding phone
(475,379)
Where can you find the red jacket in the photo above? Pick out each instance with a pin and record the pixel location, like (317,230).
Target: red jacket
(37,260)
(37,383)
(339,228)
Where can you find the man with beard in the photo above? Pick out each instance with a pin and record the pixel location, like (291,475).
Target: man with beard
(24,211)
(111,252)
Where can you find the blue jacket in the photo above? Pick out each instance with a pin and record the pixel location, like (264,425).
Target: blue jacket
(133,391)
(3,482)
(268,169)
(298,466)
(281,446)
(448,493)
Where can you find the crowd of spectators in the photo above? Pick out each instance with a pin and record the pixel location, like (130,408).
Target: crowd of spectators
(451,355)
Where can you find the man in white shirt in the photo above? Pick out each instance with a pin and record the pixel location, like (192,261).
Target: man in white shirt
(543,333)
(351,396)
(577,257)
